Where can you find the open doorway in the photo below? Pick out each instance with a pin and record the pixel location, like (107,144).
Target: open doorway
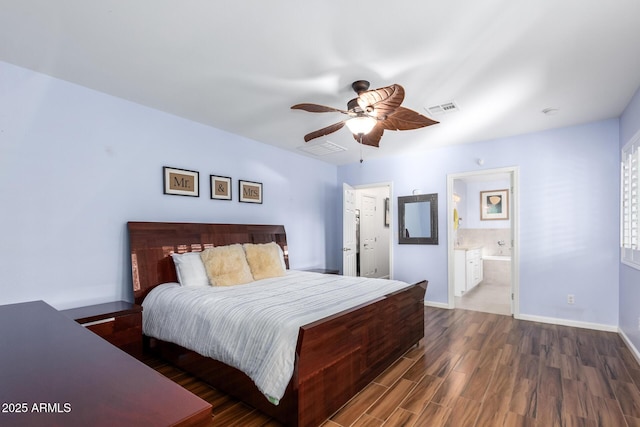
(367,230)
(482,240)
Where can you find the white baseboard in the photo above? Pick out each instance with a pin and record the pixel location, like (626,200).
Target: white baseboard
(437,304)
(566,322)
(542,319)
(630,345)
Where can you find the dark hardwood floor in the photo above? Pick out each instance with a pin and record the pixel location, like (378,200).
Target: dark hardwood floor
(484,370)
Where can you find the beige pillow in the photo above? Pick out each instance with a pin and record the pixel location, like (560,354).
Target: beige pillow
(226,265)
(265,260)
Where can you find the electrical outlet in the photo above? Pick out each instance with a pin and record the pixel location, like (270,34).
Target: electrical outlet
(571,299)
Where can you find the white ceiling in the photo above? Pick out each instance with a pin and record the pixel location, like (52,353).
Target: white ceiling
(239,66)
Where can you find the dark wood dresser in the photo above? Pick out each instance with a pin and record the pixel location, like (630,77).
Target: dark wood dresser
(55,372)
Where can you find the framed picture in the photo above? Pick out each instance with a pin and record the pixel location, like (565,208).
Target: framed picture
(250,192)
(220,187)
(181,182)
(494,205)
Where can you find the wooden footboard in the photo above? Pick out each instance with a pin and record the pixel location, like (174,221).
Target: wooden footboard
(336,357)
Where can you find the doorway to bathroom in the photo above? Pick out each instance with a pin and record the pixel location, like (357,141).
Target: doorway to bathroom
(483,254)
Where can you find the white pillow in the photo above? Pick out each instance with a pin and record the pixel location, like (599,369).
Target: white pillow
(190,269)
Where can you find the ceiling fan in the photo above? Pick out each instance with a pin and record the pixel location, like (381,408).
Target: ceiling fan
(370,114)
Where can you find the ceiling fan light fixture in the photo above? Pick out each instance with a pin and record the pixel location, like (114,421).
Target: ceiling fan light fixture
(361,125)
(370,114)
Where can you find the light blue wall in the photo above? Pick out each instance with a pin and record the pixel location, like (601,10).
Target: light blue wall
(630,277)
(76,165)
(472,201)
(460,189)
(569,194)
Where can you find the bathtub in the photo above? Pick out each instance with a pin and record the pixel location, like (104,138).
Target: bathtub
(496,258)
(497,270)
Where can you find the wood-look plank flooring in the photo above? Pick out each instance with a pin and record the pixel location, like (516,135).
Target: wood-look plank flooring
(483,370)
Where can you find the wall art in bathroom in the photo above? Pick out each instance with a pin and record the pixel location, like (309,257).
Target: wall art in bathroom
(494,204)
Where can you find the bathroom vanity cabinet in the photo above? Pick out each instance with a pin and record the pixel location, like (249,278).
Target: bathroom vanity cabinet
(468,269)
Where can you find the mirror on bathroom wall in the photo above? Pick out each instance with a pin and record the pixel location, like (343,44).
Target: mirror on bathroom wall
(418,219)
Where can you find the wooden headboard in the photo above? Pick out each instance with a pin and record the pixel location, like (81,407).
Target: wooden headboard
(152,243)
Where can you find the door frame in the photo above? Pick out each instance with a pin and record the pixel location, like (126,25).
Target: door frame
(514,211)
(389,185)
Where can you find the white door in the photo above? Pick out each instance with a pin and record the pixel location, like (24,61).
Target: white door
(367,236)
(349,241)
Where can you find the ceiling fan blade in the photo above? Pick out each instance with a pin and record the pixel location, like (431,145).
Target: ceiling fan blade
(316,108)
(381,102)
(373,137)
(324,131)
(406,119)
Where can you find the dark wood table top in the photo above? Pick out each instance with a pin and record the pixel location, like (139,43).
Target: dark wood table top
(55,372)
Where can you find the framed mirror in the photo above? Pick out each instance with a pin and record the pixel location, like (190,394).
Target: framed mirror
(418,219)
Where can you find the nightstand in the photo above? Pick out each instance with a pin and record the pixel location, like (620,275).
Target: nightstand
(118,322)
(323,270)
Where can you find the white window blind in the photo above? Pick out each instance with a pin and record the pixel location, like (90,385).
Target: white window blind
(630,203)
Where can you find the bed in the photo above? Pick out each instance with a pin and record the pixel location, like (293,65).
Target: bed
(335,357)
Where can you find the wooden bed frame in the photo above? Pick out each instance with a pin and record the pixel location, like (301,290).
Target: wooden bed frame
(335,357)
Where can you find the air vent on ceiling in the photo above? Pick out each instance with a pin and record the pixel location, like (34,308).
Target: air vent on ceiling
(322,149)
(447,107)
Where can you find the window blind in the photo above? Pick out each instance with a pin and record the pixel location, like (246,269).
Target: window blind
(630,203)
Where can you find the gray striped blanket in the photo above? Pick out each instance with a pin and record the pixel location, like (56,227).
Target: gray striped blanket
(254,327)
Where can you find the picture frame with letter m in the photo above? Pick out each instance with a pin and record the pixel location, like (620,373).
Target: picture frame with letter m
(250,192)
(181,182)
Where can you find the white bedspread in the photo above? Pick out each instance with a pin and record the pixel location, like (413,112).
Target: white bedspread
(254,327)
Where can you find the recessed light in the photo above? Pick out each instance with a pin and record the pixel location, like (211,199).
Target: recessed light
(550,111)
